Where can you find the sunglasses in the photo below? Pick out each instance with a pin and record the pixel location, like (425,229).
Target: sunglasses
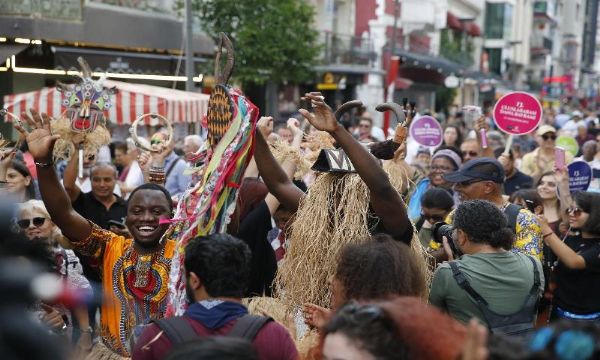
(469,182)
(575,211)
(37,222)
(470,153)
(432,218)
(546,137)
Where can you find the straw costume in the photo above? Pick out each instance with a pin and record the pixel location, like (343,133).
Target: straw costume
(335,212)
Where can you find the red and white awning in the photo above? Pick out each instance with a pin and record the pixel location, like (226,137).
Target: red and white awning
(130,101)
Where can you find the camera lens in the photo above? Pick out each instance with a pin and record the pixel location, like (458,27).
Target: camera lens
(440,230)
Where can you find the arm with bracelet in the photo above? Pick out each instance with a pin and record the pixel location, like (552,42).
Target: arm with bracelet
(565,254)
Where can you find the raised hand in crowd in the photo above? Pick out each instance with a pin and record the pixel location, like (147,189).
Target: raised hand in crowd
(148,160)
(564,193)
(322,117)
(316,316)
(40,142)
(294,125)
(274,176)
(482,124)
(385,200)
(265,126)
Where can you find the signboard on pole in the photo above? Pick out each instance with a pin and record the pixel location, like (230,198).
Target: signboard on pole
(426,131)
(518,113)
(580,176)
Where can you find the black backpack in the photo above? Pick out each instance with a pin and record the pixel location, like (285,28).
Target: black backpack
(511,212)
(179,330)
(518,323)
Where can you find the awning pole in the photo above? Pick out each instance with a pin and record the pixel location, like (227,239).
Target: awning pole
(189,54)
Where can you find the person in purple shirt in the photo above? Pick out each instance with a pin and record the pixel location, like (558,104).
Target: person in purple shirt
(217,272)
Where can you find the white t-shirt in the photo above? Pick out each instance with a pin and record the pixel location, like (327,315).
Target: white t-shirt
(134,178)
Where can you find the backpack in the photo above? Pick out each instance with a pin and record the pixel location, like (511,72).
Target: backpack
(512,212)
(520,322)
(179,330)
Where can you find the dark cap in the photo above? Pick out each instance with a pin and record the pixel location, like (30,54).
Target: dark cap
(480,168)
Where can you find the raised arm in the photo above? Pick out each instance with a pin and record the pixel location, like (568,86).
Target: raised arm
(480,124)
(71,170)
(41,143)
(385,200)
(566,200)
(277,181)
(565,254)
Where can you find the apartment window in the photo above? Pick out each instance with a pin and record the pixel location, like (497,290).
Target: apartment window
(495,60)
(498,20)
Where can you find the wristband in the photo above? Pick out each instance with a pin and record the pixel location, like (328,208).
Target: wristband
(87,330)
(548,234)
(42,165)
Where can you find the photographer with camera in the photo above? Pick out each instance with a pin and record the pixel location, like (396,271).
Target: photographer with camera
(500,288)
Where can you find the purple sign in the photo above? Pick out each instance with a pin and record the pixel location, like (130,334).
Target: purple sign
(426,131)
(580,176)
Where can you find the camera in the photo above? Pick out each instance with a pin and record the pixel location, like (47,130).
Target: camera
(442,229)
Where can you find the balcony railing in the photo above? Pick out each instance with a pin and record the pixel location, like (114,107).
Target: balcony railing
(345,49)
(50,9)
(158,6)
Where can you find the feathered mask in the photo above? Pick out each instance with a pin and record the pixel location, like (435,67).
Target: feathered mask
(86,101)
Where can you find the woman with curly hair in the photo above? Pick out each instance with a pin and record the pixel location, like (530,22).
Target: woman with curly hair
(372,270)
(403,328)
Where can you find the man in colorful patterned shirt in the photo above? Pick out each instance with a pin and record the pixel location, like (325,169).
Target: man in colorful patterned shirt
(134,272)
(483,179)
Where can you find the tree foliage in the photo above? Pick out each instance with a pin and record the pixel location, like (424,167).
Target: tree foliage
(274,40)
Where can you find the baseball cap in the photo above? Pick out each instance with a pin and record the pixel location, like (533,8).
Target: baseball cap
(480,168)
(576,113)
(544,129)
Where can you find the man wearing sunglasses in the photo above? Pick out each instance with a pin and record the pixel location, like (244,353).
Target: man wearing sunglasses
(483,179)
(469,149)
(541,160)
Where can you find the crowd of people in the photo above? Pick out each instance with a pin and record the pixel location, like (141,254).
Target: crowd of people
(344,244)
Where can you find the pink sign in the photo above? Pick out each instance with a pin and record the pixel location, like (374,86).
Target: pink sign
(426,131)
(517,113)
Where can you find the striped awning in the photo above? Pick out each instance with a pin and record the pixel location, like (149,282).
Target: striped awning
(129,102)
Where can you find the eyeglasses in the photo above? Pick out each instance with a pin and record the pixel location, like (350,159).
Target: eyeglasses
(469,182)
(441,168)
(575,211)
(547,136)
(470,153)
(37,222)
(432,218)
